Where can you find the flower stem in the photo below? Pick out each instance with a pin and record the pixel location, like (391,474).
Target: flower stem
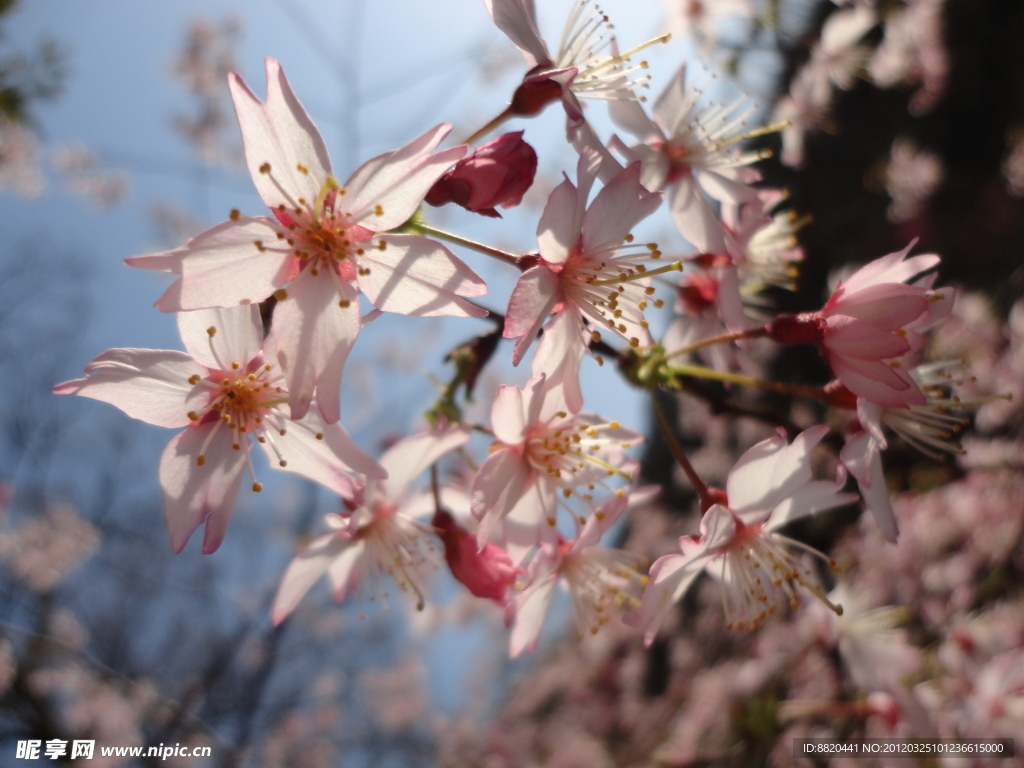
(498,120)
(707,497)
(700,372)
(723,338)
(494,253)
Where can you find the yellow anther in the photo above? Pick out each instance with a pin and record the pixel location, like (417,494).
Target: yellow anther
(257,487)
(259,245)
(280,294)
(378,210)
(193,416)
(301,168)
(211,332)
(236,366)
(265,168)
(200,460)
(344,303)
(235,213)
(595,336)
(282,463)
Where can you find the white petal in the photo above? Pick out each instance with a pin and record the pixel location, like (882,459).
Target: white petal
(516,19)
(311,338)
(147,384)
(530,611)
(195,494)
(417,276)
(304,571)
(279,133)
(224,267)
(617,208)
(396,182)
(328,460)
(406,459)
(237,338)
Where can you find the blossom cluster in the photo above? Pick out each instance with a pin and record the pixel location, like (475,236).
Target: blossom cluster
(270,307)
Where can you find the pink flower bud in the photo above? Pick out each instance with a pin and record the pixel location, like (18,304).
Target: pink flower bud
(808,328)
(498,173)
(486,572)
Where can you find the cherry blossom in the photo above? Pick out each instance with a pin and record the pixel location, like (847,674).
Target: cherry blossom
(223,390)
(871,321)
(690,152)
(928,427)
(385,533)
(322,243)
(587,65)
(589,266)
(699,18)
(598,580)
(543,453)
(739,546)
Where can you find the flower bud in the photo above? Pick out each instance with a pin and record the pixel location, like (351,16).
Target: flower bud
(808,328)
(498,173)
(486,572)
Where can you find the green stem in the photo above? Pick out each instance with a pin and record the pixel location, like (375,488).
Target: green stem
(473,245)
(699,372)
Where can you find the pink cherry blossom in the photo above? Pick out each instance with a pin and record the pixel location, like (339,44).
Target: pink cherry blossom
(871,321)
(223,391)
(690,152)
(739,546)
(699,19)
(386,533)
(321,243)
(495,174)
(598,580)
(587,65)
(543,453)
(927,427)
(589,267)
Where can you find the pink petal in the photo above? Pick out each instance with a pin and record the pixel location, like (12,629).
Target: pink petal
(769,472)
(148,384)
(502,479)
(396,182)
(724,189)
(871,479)
(890,269)
(526,525)
(877,382)
(312,337)
(849,337)
(279,133)
(305,570)
(808,500)
(416,276)
(406,459)
(694,218)
(164,261)
(558,356)
(196,494)
(224,267)
(238,336)
(670,108)
(888,305)
(583,137)
(329,459)
(516,18)
(536,293)
(670,578)
(558,232)
(508,418)
(347,570)
(530,610)
(617,208)
(629,115)
(717,528)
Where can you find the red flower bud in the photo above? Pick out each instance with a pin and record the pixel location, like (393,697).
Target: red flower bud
(486,572)
(498,173)
(698,293)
